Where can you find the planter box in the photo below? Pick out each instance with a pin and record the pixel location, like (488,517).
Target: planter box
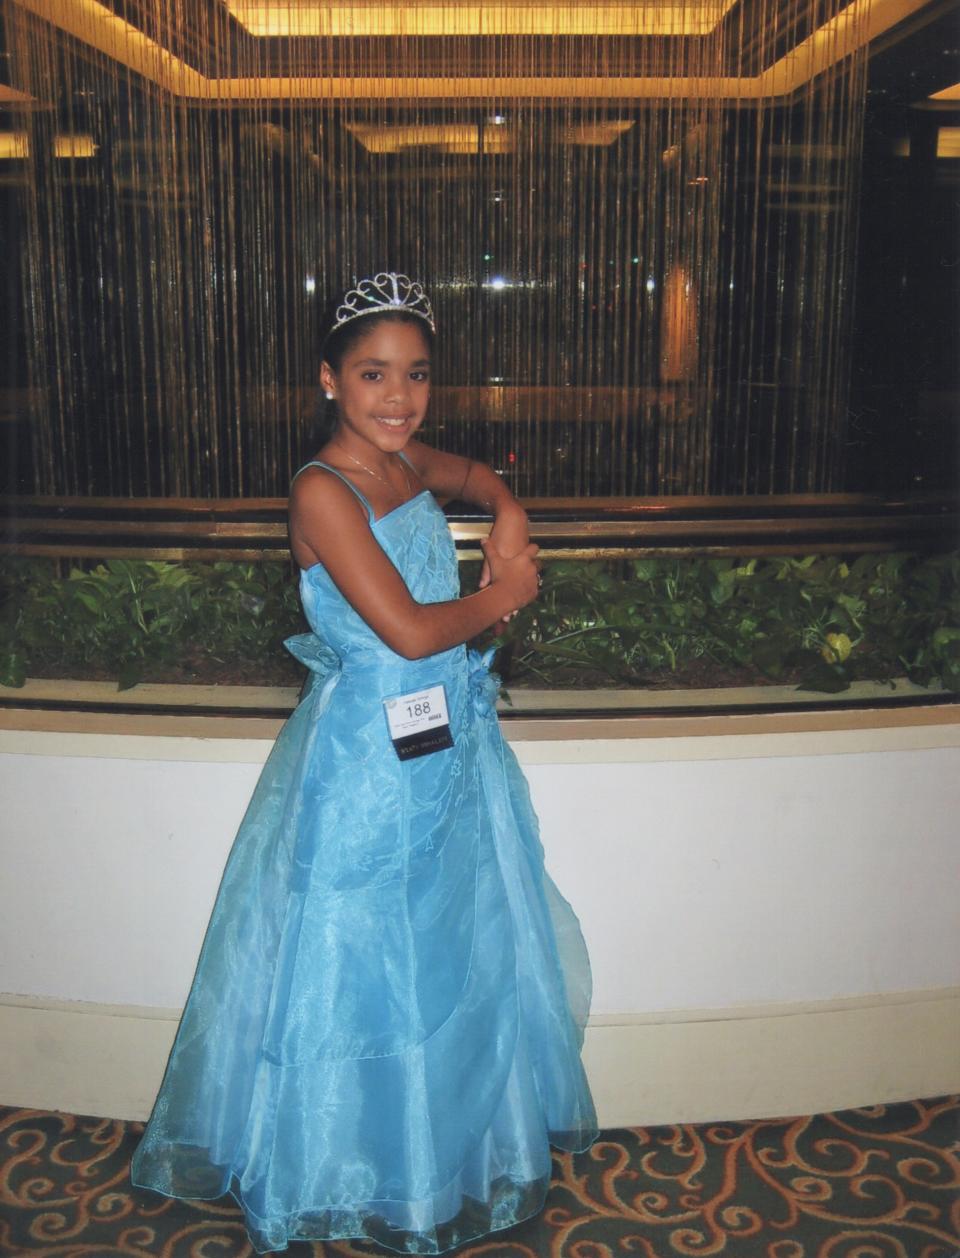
(522,700)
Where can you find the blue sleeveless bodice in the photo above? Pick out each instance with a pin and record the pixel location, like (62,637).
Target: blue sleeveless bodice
(383,1034)
(343,647)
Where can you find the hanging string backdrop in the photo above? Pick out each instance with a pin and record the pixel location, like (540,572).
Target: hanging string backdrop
(636,223)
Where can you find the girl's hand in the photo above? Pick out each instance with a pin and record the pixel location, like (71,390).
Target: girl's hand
(520,574)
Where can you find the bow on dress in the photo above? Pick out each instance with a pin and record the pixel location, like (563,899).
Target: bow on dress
(483,685)
(323,662)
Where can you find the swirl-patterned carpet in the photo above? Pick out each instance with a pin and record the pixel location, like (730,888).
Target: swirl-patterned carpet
(878,1182)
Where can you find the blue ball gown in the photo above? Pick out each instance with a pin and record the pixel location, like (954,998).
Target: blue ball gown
(383,1034)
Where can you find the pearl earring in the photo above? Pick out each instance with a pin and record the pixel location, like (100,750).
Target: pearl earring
(329,397)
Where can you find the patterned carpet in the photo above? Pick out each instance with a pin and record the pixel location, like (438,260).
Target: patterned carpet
(879,1182)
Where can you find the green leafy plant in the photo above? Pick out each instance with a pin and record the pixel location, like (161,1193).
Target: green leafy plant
(135,620)
(818,622)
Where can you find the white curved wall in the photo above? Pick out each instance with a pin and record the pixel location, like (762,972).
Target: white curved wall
(809,881)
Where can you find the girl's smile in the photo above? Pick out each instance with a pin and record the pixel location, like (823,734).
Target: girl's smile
(394,421)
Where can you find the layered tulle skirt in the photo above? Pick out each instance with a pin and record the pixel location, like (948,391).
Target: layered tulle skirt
(383,1034)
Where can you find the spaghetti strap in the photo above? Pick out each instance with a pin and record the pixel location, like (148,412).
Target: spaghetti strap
(348,483)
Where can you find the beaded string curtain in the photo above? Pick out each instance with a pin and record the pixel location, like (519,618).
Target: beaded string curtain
(637,223)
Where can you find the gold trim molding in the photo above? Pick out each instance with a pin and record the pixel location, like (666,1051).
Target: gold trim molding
(94,24)
(10,96)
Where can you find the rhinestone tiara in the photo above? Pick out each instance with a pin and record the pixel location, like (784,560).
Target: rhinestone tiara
(386,291)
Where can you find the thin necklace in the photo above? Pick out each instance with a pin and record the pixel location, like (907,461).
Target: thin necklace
(393,490)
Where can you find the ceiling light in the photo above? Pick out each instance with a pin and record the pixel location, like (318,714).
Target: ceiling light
(350,18)
(454,137)
(74,146)
(14,145)
(94,23)
(596,133)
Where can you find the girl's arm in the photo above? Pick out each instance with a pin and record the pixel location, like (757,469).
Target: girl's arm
(328,522)
(453,476)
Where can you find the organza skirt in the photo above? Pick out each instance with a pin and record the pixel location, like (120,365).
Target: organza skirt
(383,1034)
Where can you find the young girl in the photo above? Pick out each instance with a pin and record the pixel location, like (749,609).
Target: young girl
(383,1034)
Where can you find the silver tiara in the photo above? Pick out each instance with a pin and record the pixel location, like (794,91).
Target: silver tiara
(386,291)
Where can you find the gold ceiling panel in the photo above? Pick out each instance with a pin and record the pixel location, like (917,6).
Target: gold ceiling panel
(16,145)
(94,24)
(74,146)
(597,134)
(469,138)
(445,137)
(299,18)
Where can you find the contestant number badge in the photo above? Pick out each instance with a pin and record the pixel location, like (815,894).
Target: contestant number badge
(418,722)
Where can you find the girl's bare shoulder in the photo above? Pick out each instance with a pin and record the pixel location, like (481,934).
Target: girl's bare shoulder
(318,494)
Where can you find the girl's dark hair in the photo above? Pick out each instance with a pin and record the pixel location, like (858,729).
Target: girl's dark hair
(340,340)
(337,344)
